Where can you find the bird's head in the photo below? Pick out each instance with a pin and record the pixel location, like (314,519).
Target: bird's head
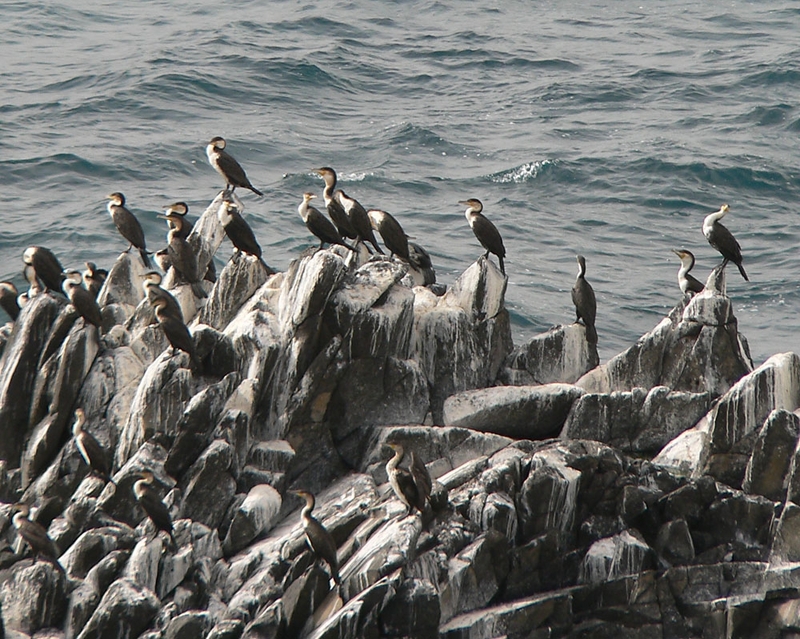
(116,198)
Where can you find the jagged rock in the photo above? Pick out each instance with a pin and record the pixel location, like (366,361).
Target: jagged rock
(188,625)
(494,512)
(33,596)
(124,282)
(301,598)
(637,421)
(126,609)
(413,611)
(275,455)
(674,543)
(84,599)
(696,348)
(256,515)
(523,412)
(241,276)
(786,541)
(621,555)
(215,350)
(208,486)
(142,567)
(92,546)
(18,369)
(774,449)
(562,354)
(773,385)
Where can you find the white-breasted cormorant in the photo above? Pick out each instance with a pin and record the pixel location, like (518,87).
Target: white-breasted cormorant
(722,239)
(83,301)
(484,230)
(335,209)
(687,282)
(318,224)
(404,484)
(318,538)
(151,283)
(180,209)
(176,331)
(392,234)
(227,166)
(90,449)
(45,263)
(359,219)
(8,299)
(584,300)
(128,226)
(34,535)
(181,254)
(238,231)
(94,278)
(151,503)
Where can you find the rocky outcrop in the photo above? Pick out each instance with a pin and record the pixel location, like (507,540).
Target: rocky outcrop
(653,495)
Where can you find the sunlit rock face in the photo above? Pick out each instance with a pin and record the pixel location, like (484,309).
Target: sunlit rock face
(653,495)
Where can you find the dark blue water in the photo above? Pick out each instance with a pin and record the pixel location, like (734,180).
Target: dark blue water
(609,129)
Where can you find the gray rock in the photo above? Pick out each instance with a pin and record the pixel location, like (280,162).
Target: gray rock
(621,555)
(124,282)
(189,625)
(33,596)
(256,515)
(83,601)
(773,453)
(413,611)
(529,412)
(208,486)
(241,276)
(302,596)
(786,541)
(562,354)
(674,543)
(275,455)
(92,546)
(125,610)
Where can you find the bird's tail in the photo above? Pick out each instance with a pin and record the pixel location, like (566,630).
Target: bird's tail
(591,335)
(741,270)
(502,265)
(255,190)
(377,248)
(146,258)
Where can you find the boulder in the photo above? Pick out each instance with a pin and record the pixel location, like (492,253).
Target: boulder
(767,471)
(126,609)
(239,279)
(208,486)
(619,556)
(33,596)
(255,515)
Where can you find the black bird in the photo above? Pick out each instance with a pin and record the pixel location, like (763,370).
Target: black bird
(403,482)
(228,167)
(421,476)
(181,209)
(420,260)
(128,226)
(34,535)
(8,299)
(152,505)
(238,230)
(94,278)
(318,224)
(335,210)
(83,301)
(90,449)
(181,254)
(45,263)
(176,331)
(584,300)
(319,539)
(688,282)
(393,235)
(722,239)
(359,219)
(484,230)
(153,291)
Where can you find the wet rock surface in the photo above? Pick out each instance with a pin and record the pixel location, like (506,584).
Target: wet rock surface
(653,495)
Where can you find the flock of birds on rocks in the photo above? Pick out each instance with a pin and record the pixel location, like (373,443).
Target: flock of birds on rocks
(348,220)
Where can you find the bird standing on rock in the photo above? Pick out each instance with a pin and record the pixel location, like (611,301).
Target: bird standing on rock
(335,209)
(8,299)
(128,226)
(94,278)
(722,239)
(484,230)
(392,234)
(318,224)
(228,167)
(411,488)
(176,331)
(46,266)
(83,301)
(90,449)
(153,291)
(34,535)
(687,282)
(359,219)
(318,538)
(181,254)
(151,503)
(238,230)
(584,300)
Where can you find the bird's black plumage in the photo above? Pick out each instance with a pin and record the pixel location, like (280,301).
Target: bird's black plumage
(128,226)
(392,234)
(90,449)
(151,503)
(359,219)
(319,225)
(227,166)
(46,266)
(583,298)
(335,209)
(318,538)
(485,231)
(721,239)
(81,299)
(8,299)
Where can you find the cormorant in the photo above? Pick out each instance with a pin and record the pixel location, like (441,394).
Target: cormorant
(239,231)
(128,226)
(319,539)
(404,484)
(181,254)
(393,235)
(359,219)
(94,278)
(45,263)
(722,239)
(422,478)
(181,209)
(688,282)
(335,210)
(8,299)
(420,259)
(152,505)
(318,224)
(228,167)
(34,535)
(83,301)
(153,291)
(90,449)
(484,230)
(176,331)
(585,302)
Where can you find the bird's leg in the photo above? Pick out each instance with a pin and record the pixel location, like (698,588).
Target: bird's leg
(486,255)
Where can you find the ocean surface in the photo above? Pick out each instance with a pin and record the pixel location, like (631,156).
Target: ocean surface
(608,129)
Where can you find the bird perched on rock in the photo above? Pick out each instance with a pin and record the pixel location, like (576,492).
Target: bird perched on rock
(411,488)
(238,231)
(181,209)
(94,278)
(335,209)
(176,331)
(688,283)
(584,300)
(83,301)
(34,535)
(227,166)
(128,226)
(8,299)
(720,238)
(359,219)
(46,266)
(484,230)
(392,234)
(181,254)
(151,503)
(318,224)
(151,283)
(90,449)
(318,538)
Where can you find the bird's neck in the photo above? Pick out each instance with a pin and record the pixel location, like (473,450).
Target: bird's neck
(394,462)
